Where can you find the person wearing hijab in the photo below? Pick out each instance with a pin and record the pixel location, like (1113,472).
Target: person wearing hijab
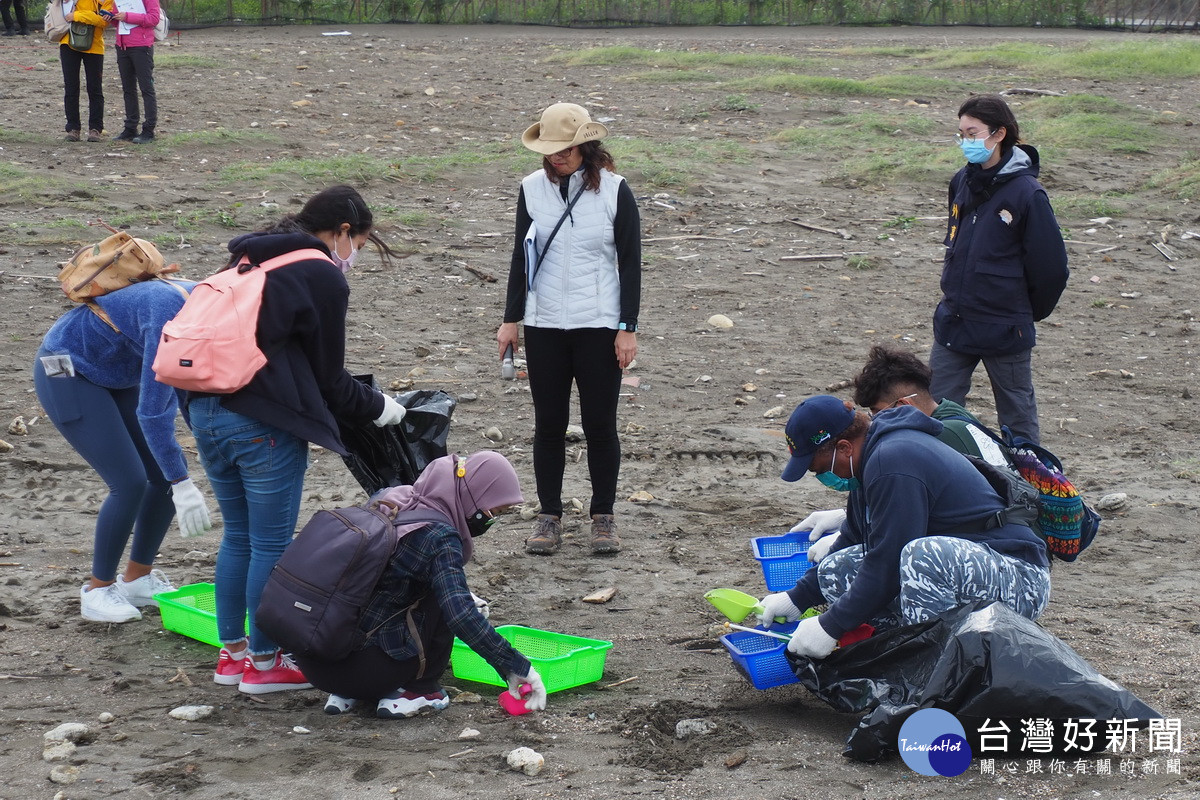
(422,600)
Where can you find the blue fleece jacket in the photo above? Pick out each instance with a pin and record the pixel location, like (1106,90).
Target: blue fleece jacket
(123,360)
(912,486)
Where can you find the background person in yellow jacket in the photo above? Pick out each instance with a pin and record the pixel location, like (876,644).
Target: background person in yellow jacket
(89,12)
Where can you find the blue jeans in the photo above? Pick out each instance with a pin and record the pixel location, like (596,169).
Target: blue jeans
(257,474)
(102,425)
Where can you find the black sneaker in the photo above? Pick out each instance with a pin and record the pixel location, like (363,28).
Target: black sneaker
(125,136)
(145,137)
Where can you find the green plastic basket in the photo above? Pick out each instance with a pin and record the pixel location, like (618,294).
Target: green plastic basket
(191,611)
(563,661)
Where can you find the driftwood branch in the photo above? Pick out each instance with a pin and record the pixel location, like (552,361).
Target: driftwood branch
(482,274)
(1042,92)
(822,256)
(812,227)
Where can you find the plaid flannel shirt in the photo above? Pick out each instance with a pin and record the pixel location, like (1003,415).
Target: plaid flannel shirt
(429,562)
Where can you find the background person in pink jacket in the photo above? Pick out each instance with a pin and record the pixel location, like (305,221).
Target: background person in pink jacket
(135,62)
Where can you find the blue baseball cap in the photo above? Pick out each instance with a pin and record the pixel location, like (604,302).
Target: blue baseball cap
(814,422)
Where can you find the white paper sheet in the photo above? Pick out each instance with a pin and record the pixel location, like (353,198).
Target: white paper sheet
(136,6)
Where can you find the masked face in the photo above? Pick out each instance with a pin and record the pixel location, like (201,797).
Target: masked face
(976,150)
(344,263)
(837,482)
(479,522)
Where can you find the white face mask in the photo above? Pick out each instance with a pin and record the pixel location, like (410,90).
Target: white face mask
(344,264)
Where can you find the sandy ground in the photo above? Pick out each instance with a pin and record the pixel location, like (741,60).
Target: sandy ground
(1115,370)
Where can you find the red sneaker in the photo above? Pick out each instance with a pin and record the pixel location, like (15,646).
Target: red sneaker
(230,668)
(282,675)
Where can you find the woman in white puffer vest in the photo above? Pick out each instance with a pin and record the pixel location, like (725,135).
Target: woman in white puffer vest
(579,229)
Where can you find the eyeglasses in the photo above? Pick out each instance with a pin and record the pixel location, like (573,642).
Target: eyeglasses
(959,138)
(892,404)
(564,153)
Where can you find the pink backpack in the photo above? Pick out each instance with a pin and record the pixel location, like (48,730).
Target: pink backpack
(211,345)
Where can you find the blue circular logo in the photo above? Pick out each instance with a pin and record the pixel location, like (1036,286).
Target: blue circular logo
(933,742)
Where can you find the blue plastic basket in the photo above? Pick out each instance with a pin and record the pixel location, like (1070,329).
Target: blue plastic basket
(762,659)
(784,559)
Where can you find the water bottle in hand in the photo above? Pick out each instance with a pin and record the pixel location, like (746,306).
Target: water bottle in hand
(507,370)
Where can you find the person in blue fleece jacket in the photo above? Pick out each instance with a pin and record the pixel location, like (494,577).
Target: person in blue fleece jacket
(913,542)
(94,379)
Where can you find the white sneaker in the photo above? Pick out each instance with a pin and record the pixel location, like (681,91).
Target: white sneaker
(140,592)
(106,604)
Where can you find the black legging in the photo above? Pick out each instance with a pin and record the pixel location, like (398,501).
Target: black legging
(370,673)
(93,70)
(586,356)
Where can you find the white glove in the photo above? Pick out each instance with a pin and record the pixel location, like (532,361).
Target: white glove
(777,605)
(822,547)
(393,412)
(190,509)
(481,605)
(536,699)
(821,523)
(810,639)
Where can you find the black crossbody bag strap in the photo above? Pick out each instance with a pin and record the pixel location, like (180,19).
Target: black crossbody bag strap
(561,220)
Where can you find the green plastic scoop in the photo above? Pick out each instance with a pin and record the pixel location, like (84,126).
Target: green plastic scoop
(735,605)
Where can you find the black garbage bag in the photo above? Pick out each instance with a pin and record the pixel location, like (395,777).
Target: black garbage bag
(395,455)
(980,663)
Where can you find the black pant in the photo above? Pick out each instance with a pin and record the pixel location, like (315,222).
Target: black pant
(136,66)
(586,356)
(19,6)
(93,70)
(370,673)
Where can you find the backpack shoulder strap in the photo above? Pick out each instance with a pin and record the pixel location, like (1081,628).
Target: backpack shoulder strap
(102,314)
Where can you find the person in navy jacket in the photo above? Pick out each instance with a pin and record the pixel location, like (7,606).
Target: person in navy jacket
(915,543)
(1005,267)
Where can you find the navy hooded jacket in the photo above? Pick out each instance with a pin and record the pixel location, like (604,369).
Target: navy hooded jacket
(304,387)
(912,486)
(1005,264)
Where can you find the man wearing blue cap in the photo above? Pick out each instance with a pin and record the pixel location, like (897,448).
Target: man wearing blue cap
(921,534)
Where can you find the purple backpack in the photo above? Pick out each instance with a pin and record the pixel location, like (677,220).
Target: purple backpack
(318,590)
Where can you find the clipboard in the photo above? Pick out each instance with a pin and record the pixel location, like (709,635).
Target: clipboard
(532,262)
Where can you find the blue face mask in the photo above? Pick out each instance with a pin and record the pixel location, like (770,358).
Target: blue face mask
(976,151)
(837,482)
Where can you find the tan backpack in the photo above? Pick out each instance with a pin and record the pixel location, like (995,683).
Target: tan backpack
(114,263)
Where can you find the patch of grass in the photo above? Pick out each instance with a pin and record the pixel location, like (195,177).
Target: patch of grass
(902,223)
(496,156)
(676,76)
(15,136)
(1101,302)
(1097,132)
(678,59)
(677,164)
(165,59)
(220,136)
(823,85)
(1129,60)
(352,168)
(862,263)
(1085,206)
(877,148)
(737,102)
(1183,181)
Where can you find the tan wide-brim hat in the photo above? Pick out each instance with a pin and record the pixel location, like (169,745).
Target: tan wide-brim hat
(562,125)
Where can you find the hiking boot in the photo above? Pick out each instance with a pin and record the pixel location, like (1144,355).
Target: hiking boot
(106,604)
(230,667)
(281,676)
(125,135)
(72,136)
(409,704)
(94,135)
(336,704)
(604,534)
(547,536)
(140,592)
